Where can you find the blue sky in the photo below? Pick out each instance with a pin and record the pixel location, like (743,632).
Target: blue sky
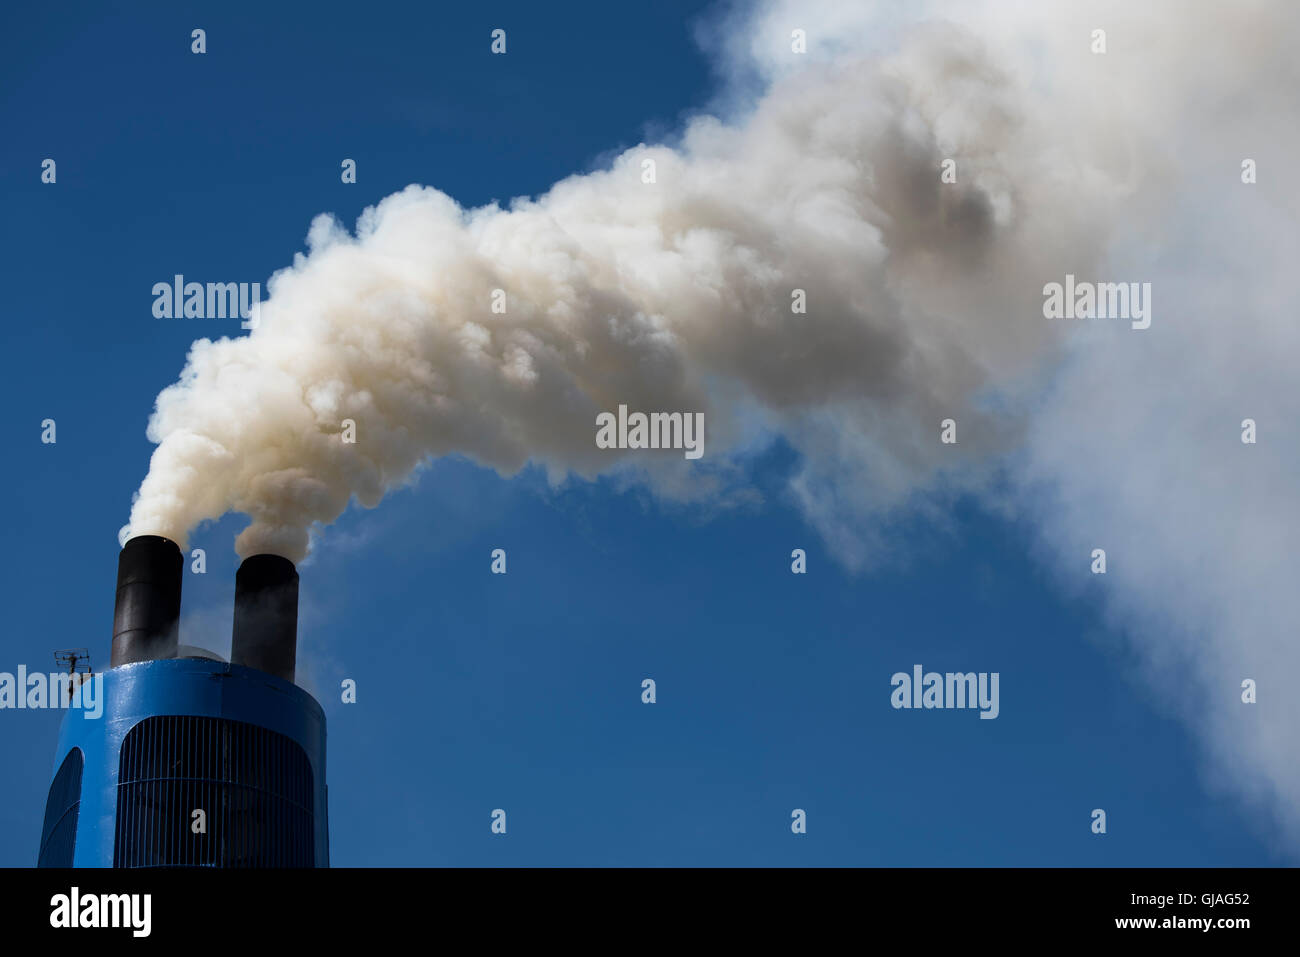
(521,691)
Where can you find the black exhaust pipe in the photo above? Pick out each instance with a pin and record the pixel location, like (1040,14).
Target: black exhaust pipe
(146,617)
(266,616)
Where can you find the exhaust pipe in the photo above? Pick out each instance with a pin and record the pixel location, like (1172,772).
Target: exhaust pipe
(146,616)
(266,616)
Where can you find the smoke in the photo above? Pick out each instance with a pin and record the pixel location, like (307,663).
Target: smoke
(1137,446)
(924,303)
(674,295)
(1132,441)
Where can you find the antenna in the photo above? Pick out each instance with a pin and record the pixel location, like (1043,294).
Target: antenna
(71,657)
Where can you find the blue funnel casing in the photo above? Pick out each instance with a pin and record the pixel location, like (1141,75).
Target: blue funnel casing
(193,761)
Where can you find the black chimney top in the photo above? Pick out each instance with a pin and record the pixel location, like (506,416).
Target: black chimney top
(147,614)
(266,615)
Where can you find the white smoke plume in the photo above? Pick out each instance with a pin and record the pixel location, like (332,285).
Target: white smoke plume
(674,295)
(924,302)
(1134,442)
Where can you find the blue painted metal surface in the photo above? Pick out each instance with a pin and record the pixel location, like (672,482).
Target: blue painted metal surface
(184,686)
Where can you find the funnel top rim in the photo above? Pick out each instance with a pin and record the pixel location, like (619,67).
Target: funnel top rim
(150,540)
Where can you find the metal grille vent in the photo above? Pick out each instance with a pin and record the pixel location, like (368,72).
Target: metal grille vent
(59,835)
(254,787)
